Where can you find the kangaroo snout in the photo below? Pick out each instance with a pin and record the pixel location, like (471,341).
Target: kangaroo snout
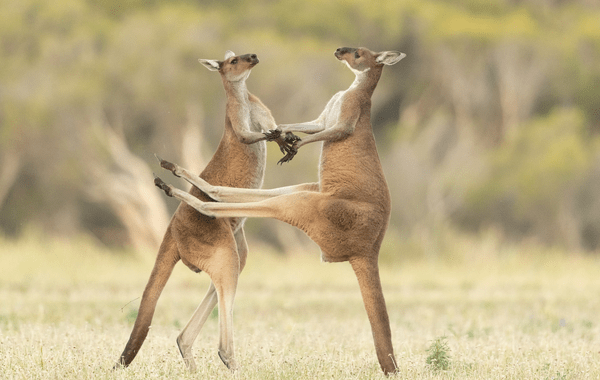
(250,58)
(339,52)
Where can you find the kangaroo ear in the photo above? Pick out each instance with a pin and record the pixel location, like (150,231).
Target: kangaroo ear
(389,57)
(229,54)
(211,64)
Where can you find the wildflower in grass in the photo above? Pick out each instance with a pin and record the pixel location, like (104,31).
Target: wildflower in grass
(439,355)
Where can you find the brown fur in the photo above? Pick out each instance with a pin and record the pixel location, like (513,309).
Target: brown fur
(347,212)
(215,246)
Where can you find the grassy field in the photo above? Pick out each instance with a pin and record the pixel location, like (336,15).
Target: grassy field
(67,308)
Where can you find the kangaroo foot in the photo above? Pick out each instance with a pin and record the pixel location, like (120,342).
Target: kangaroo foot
(228,361)
(163,186)
(186,354)
(173,168)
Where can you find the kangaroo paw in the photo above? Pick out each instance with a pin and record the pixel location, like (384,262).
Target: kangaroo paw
(288,157)
(291,138)
(273,134)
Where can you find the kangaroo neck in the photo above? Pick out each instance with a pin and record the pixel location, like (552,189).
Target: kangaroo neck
(366,81)
(236,91)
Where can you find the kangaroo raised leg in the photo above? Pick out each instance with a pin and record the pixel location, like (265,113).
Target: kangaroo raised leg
(272,207)
(229,194)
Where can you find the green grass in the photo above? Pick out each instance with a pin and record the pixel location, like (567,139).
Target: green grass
(67,308)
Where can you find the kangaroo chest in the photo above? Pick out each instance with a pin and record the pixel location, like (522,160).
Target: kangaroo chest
(333,109)
(252,117)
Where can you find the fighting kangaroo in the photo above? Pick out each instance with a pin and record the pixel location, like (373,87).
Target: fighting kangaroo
(347,212)
(215,246)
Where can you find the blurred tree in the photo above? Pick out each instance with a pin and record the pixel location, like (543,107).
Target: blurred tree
(533,179)
(125,183)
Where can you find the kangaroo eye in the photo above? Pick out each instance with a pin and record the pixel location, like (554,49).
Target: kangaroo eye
(234,61)
(356,55)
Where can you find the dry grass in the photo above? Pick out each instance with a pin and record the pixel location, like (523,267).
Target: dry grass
(66,311)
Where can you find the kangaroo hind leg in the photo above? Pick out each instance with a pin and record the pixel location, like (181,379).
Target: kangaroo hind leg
(188,335)
(367,273)
(186,339)
(224,272)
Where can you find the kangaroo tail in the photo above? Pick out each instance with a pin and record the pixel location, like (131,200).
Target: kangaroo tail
(167,257)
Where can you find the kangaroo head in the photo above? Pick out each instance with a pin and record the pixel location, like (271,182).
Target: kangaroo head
(361,60)
(233,68)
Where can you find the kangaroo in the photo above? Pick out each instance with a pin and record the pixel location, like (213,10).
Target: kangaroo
(215,246)
(347,212)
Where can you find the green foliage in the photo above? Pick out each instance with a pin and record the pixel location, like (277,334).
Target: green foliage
(439,355)
(534,173)
(544,158)
(131,315)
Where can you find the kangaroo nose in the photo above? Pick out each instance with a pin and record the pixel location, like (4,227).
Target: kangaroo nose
(253,56)
(339,52)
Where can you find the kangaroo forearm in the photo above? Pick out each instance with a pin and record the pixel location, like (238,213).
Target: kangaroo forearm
(331,134)
(247,137)
(308,127)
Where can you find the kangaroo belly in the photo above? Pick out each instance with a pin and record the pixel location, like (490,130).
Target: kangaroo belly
(237,165)
(233,165)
